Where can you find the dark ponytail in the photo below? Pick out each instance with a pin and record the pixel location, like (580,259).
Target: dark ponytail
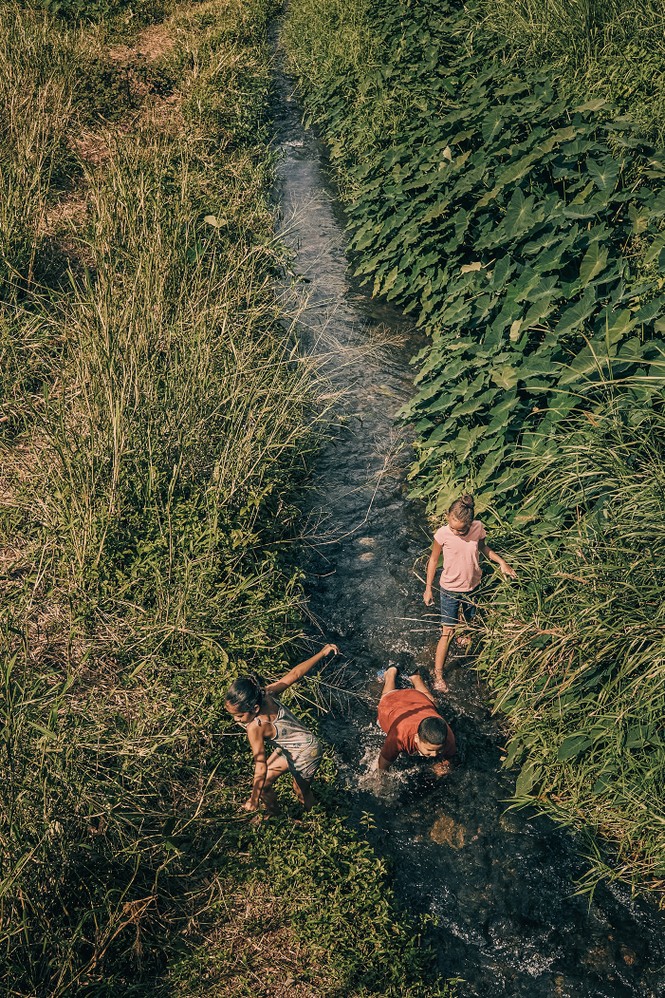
(463,509)
(246,692)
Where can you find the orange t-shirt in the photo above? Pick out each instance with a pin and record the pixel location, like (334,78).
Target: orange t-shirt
(400,713)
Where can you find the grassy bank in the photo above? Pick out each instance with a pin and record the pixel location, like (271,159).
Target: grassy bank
(522,226)
(608,49)
(154,424)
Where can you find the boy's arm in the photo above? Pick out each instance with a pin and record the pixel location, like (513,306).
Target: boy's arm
(431,572)
(389,751)
(299,671)
(257,743)
(497,559)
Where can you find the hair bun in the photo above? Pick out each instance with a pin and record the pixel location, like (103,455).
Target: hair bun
(467,500)
(258,681)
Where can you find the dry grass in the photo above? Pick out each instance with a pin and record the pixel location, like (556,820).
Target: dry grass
(253,951)
(151,44)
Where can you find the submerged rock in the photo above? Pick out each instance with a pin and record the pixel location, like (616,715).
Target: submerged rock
(446,831)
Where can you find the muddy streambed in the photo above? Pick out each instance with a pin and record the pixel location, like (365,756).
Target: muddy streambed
(498,884)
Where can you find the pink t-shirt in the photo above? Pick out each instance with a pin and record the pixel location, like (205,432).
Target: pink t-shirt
(461,561)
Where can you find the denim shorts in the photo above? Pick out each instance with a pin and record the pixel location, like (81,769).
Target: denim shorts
(450,607)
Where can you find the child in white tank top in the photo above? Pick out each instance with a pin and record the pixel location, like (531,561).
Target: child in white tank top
(263,717)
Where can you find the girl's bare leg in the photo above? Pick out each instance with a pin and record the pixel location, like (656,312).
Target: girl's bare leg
(277,765)
(303,792)
(440,658)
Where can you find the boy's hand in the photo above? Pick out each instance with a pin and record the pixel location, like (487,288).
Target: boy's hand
(428,597)
(330,648)
(507,570)
(442,768)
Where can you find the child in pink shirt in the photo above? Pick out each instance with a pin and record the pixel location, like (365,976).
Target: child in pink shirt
(461,543)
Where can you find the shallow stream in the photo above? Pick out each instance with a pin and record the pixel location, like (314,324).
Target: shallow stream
(499,884)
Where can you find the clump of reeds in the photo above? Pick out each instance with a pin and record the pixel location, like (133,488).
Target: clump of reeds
(581,28)
(575,653)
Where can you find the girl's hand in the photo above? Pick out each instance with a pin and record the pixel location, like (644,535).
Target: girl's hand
(330,648)
(427,596)
(250,805)
(507,570)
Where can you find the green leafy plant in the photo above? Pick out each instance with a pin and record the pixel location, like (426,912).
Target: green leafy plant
(524,234)
(574,654)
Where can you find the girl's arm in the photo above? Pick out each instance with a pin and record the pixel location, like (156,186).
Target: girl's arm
(257,743)
(431,572)
(299,671)
(497,559)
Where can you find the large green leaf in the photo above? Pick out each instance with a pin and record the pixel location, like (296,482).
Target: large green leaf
(575,316)
(587,362)
(573,745)
(593,263)
(506,376)
(605,173)
(521,215)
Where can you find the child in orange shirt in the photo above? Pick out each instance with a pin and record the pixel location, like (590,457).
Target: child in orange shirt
(411,722)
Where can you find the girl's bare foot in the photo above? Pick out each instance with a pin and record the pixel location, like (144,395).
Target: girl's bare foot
(270,804)
(440,684)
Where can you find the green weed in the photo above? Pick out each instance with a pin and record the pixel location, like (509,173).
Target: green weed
(612,49)
(575,653)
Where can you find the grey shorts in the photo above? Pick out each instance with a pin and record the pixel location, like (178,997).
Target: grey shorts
(303,760)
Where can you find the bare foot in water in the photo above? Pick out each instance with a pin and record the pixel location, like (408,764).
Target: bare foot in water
(440,685)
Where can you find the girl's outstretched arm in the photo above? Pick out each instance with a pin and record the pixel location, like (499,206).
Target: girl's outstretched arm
(431,572)
(298,671)
(497,559)
(257,743)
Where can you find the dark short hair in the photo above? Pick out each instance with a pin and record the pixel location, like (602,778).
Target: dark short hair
(433,730)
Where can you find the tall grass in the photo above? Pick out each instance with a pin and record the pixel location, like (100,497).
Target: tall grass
(142,497)
(575,654)
(150,459)
(581,29)
(613,48)
(37,62)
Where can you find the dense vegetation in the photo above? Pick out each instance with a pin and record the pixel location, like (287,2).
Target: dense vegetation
(153,419)
(523,225)
(593,48)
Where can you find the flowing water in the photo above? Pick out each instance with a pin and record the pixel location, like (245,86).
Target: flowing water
(498,884)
